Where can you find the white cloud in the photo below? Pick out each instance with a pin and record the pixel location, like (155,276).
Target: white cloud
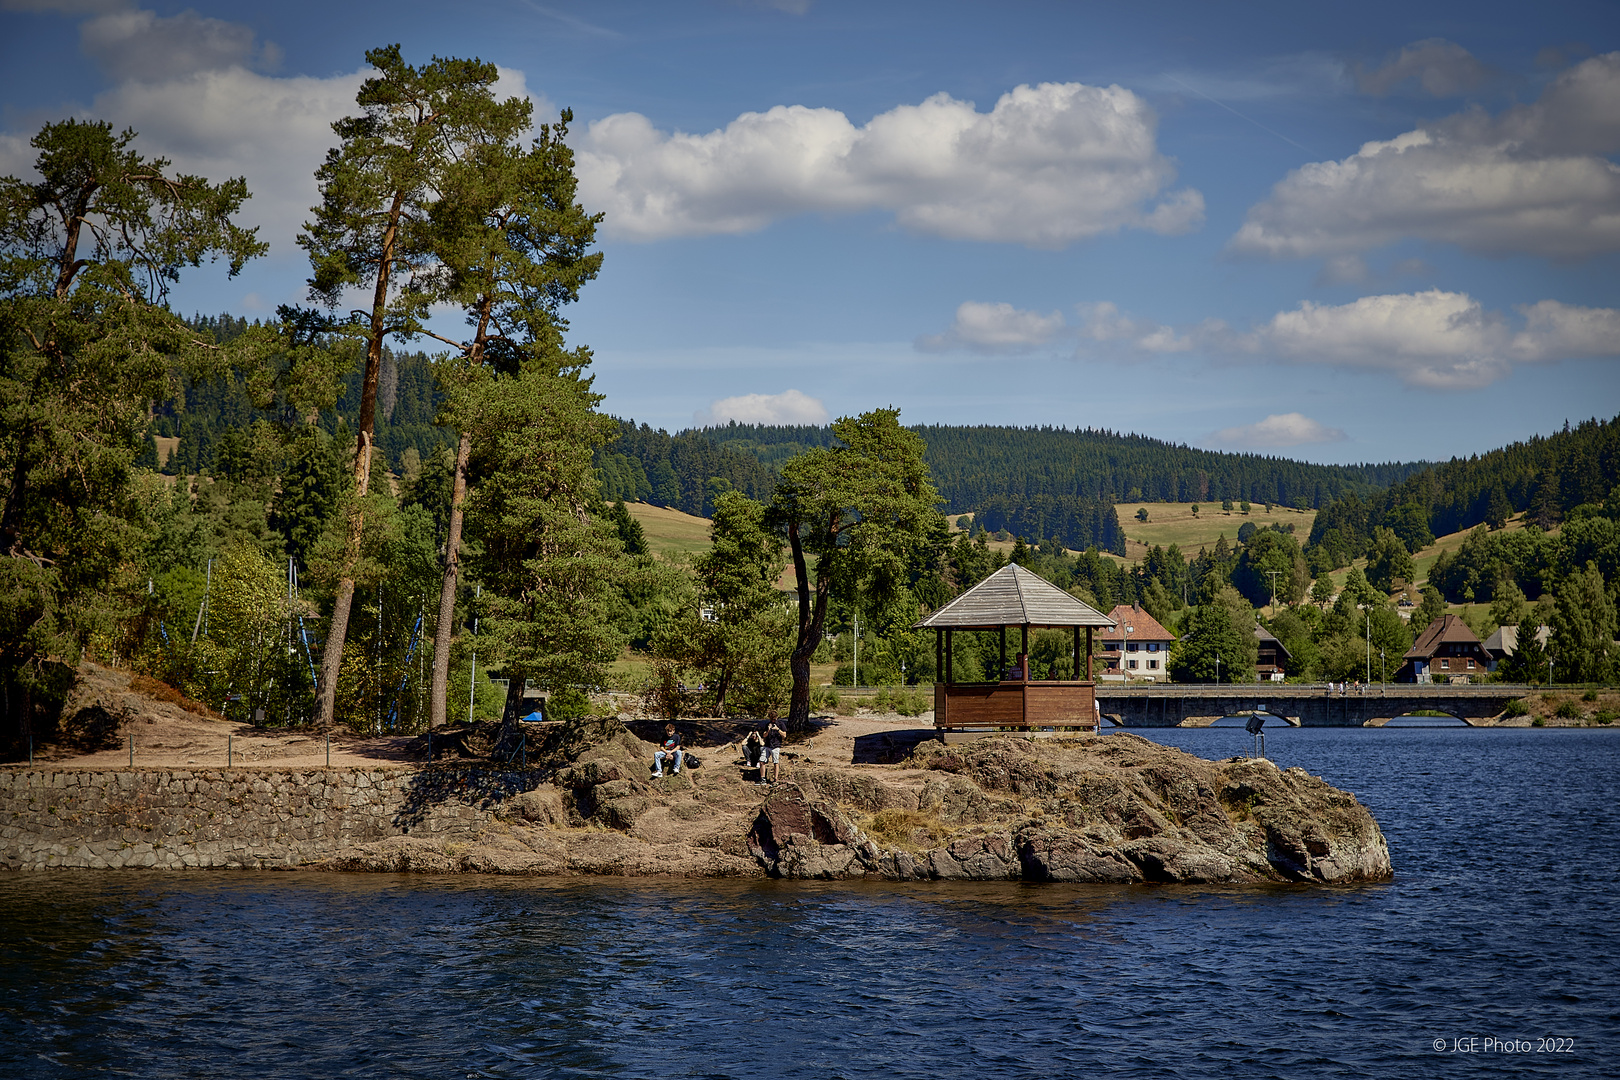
(237,122)
(788,407)
(1534,180)
(1435,340)
(994,328)
(1047,166)
(1277,431)
(1554,330)
(182,84)
(1104,323)
(135,44)
(1442,68)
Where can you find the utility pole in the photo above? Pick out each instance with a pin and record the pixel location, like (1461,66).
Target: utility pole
(472,674)
(1217,669)
(855,679)
(1369,646)
(1272,574)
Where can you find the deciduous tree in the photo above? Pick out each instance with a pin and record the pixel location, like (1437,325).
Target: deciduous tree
(1583,629)
(859,509)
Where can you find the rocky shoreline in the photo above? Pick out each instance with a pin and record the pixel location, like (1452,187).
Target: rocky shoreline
(1116,809)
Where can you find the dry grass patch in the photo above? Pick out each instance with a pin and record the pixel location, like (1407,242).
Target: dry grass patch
(907,830)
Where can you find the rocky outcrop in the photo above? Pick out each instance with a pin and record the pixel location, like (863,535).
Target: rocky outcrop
(1112,810)
(1115,810)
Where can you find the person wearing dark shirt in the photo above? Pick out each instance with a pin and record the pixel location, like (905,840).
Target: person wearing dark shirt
(753,748)
(670,748)
(772,754)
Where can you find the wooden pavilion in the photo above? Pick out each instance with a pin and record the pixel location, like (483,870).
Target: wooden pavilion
(1014,596)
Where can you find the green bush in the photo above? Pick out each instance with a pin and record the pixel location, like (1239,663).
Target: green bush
(905,700)
(1567,711)
(1605,716)
(567,703)
(1538,722)
(1516,707)
(1590,695)
(824,698)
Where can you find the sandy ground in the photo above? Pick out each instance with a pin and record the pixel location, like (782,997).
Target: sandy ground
(165,736)
(177,741)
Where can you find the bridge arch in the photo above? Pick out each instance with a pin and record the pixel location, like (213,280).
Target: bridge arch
(1438,717)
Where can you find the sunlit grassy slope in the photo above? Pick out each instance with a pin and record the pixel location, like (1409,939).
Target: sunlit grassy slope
(670,532)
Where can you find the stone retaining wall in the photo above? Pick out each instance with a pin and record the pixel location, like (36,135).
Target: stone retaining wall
(238,817)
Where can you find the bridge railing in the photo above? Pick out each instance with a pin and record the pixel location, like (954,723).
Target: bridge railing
(1289,690)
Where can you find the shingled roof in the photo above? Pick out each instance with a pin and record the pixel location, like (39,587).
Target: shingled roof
(1013,596)
(1446,630)
(1144,627)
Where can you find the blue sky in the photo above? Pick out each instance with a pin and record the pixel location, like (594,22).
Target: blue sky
(1326,231)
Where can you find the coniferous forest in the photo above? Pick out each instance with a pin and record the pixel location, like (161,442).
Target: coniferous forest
(320,517)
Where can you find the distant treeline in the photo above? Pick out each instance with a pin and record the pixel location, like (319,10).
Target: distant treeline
(212,417)
(684,472)
(1048,482)
(1548,476)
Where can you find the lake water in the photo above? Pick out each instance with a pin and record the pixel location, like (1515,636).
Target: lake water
(1499,931)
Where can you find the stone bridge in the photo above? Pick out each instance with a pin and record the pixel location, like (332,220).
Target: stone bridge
(1171,704)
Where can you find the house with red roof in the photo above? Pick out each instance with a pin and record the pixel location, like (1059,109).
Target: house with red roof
(1139,640)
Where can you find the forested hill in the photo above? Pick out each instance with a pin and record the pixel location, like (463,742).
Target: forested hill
(1548,476)
(972,465)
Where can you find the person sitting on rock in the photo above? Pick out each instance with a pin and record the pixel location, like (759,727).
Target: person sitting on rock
(671,748)
(772,754)
(753,750)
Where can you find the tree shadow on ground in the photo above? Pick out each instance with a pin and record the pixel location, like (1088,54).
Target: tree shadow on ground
(483,787)
(889,747)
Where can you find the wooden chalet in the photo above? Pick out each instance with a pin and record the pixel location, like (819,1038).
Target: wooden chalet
(1273,657)
(1446,651)
(1014,597)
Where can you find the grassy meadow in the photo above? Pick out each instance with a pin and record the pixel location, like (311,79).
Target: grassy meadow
(1174,523)
(670,532)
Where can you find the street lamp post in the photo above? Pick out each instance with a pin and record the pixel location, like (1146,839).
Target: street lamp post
(1217,669)
(1369,646)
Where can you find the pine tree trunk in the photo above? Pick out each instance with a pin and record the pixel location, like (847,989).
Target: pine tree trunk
(811,621)
(447,593)
(338,631)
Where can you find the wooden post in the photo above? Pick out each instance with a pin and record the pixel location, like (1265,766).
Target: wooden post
(1088,655)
